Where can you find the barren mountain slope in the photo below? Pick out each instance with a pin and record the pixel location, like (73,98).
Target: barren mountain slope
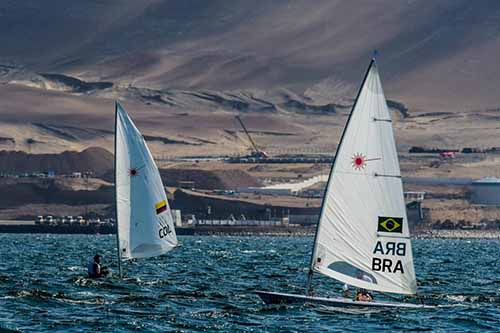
(432,52)
(184,68)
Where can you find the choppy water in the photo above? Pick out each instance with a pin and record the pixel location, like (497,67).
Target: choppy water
(207,284)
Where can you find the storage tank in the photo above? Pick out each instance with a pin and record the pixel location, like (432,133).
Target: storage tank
(486,191)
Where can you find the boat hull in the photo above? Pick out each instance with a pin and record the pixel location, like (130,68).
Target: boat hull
(283,298)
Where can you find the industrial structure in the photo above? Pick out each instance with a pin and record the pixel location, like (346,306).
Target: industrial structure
(256,151)
(486,191)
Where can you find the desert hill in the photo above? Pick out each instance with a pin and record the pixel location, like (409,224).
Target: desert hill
(94,160)
(184,68)
(433,54)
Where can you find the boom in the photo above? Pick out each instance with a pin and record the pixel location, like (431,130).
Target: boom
(254,146)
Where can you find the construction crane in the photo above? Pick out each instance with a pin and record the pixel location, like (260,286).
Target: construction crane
(256,151)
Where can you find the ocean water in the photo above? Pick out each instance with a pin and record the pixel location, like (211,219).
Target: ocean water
(207,284)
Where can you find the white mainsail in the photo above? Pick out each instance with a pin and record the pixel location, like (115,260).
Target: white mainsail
(363,237)
(145,223)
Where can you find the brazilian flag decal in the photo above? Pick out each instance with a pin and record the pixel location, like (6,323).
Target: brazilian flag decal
(390,224)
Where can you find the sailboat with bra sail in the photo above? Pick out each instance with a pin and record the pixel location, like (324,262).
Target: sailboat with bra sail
(362,238)
(145,226)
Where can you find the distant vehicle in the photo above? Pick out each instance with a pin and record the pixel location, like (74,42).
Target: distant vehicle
(447,154)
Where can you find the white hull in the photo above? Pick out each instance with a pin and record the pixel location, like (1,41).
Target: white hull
(277,298)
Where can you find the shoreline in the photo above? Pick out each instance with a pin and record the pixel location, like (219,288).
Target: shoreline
(456,234)
(274,231)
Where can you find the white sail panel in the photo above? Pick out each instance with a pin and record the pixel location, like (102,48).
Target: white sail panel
(363,236)
(145,223)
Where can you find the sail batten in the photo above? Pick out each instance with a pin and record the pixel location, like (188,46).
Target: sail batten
(144,221)
(363,237)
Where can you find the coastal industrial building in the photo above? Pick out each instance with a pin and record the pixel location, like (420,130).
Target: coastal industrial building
(486,191)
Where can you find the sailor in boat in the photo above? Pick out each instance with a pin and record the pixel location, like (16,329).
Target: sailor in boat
(363,294)
(95,269)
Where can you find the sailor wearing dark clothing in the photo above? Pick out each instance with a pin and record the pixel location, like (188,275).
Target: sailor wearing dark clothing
(95,270)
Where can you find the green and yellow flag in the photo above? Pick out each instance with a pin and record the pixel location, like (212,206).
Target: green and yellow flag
(390,224)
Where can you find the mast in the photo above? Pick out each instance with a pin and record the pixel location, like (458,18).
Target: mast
(116,201)
(311,266)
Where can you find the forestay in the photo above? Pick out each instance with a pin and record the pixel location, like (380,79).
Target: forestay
(145,224)
(363,237)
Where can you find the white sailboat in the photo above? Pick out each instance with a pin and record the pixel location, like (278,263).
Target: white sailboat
(362,238)
(145,225)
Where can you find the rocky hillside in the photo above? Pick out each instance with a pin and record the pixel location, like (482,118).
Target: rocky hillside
(183,69)
(95,160)
(433,54)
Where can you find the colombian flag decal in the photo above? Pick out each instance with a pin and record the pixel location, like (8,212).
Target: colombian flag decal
(161,206)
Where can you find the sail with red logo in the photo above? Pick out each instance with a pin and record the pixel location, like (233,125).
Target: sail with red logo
(363,238)
(144,220)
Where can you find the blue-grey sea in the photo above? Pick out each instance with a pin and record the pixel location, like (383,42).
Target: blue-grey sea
(207,284)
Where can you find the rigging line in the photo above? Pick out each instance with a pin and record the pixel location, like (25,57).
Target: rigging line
(383,120)
(389,176)
(366,174)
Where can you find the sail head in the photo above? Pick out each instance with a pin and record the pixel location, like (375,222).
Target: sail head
(145,223)
(363,237)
